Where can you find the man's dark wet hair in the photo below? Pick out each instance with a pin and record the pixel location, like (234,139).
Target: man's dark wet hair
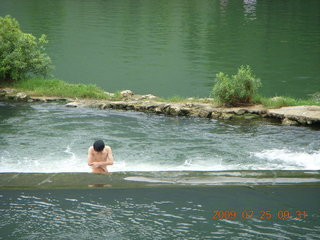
(98,145)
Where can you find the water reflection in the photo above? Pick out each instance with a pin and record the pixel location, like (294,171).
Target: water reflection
(250,9)
(223,5)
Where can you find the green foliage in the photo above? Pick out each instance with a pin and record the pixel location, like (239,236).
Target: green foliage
(59,88)
(21,53)
(236,90)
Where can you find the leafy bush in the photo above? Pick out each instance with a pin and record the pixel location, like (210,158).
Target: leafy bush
(237,90)
(21,53)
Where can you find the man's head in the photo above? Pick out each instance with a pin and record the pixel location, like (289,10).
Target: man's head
(98,145)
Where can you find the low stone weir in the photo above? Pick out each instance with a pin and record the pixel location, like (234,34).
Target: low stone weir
(297,115)
(158,179)
(202,110)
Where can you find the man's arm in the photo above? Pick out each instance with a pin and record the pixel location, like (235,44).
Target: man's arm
(110,159)
(90,157)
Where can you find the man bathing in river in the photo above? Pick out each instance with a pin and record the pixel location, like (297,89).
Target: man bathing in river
(99,157)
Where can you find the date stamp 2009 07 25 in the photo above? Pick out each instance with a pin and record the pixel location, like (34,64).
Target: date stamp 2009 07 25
(263,214)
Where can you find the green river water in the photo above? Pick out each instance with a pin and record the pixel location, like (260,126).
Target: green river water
(175,47)
(170,173)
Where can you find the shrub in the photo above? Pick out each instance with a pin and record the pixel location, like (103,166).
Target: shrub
(21,53)
(237,90)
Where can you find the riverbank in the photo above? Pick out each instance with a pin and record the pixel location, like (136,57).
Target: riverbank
(306,115)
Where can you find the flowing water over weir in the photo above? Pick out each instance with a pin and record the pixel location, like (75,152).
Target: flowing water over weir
(53,138)
(171,175)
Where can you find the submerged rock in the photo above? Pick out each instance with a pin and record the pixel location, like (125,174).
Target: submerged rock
(173,109)
(316,96)
(72,104)
(21,96)
(240,111)
(110,94)
(200,110)
(215,115)
(289,122)
(226,116)
(126,93)
(149,97)
(185,111)
(7,91)
(249,116)
(202,113)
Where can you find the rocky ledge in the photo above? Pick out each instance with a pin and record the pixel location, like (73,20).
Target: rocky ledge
(297,115)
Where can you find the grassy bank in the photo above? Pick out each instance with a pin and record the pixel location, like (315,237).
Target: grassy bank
(59,88)
(276,102)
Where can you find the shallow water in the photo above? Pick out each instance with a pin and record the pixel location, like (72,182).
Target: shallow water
(53,138)
(176,47)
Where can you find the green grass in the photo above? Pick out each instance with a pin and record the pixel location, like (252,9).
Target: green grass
(277,102)
(59,88)
(117,96)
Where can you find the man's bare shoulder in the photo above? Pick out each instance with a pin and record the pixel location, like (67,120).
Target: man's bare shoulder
(91,150)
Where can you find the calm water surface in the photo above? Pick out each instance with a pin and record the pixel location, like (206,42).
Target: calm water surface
(176,47)
(165,213)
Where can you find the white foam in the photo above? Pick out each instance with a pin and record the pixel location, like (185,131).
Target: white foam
(284,159)
(46,164)
(188,165)
(69,161)
(72,163)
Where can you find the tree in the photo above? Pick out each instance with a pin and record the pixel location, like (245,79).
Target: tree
(237,90)
(21,54)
